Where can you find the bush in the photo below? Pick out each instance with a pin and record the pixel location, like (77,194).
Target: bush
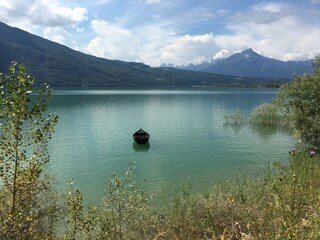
(269,115)
(300,99)
(282,204)
(126,211)
(234,118)
(28,207)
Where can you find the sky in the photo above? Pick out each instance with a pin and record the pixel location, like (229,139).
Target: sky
(178,32)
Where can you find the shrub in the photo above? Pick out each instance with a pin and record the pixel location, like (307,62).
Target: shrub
(126,211)
(300,99)
(269,114)
(234,118)
(28,208)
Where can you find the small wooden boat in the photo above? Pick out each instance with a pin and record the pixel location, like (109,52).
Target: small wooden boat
(141,136)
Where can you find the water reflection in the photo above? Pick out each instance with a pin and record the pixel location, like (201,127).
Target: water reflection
(267,131)
(262,131)
(141,147)
(236,127)
(93,136)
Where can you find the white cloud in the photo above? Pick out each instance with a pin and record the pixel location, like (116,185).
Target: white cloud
(269,31)
(221,54)
(234,42)
(60,35)
(113,42)
(41,12)
(70,15)
(150,46)
(143,43)
(98,47)
(287,38)
(269,7)
(200,60)
(48,18)
(57,15)
(55,34)
(189,49)
(157,40)
(274,30)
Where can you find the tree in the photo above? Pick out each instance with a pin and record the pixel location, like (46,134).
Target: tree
(24,134)
(300,99)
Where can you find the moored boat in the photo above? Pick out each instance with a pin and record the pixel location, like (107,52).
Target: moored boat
(141,136)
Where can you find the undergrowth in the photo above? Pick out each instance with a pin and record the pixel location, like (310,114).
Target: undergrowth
(284,203)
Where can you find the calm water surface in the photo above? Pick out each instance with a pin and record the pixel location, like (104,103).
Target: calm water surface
(189,137)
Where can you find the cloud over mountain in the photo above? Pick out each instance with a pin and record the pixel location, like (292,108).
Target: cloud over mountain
(178,32)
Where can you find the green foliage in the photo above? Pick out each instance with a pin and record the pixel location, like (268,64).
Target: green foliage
(269,115)
(300,99)
(282,204)
(234,118)
(289,202)
(188,215)
(78,224)
(126,210)
(75,207)
(25,211)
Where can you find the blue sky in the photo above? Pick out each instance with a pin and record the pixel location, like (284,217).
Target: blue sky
(178,32)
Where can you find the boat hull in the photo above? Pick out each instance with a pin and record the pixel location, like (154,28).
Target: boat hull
(141,139)
(141,136)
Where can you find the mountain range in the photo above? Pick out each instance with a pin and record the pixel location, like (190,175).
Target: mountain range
(59,65)
(248,63)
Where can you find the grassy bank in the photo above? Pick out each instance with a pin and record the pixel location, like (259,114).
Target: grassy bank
(281,204)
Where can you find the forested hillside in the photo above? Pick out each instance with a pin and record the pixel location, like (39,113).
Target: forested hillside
(59,65)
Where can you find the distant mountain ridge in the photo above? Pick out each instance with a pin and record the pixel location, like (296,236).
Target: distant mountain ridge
(59,65)
(248,63)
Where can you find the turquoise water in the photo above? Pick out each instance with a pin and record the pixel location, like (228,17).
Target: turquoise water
(189,137)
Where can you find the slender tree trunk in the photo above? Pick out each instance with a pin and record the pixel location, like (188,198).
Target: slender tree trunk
(75,227)
(16,163)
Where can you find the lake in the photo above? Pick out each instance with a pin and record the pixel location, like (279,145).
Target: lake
(189,136)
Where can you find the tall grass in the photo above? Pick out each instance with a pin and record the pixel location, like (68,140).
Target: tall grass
(269,115)
(284,203)
(234,117)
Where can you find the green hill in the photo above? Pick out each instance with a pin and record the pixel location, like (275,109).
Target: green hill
(59,65)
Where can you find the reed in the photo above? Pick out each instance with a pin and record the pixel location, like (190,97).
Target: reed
(269,115)
(234,117)
(283,203)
